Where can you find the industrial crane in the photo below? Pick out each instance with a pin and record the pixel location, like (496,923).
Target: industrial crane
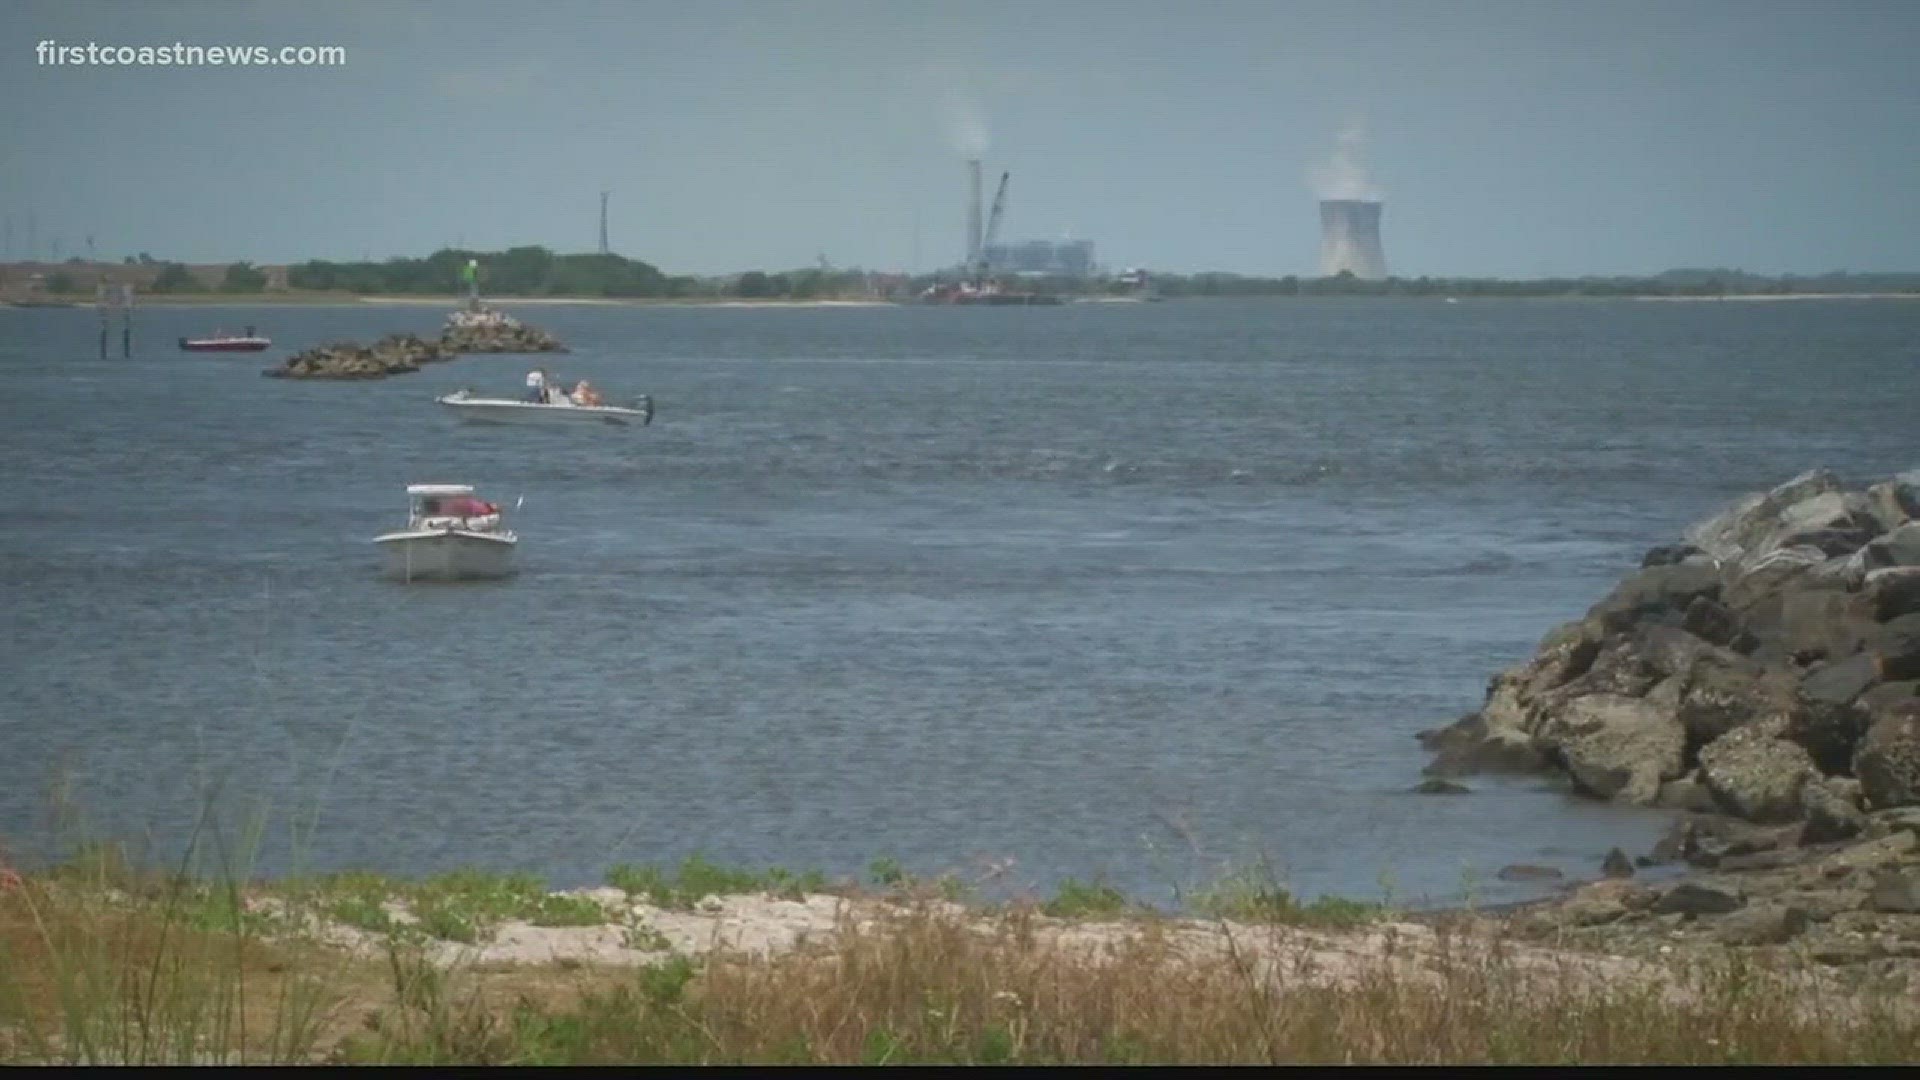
(993,230)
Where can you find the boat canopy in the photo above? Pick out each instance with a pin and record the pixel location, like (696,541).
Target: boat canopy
(438,490)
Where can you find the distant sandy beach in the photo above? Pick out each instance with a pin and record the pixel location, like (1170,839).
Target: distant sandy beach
(511,301)
(1788,296)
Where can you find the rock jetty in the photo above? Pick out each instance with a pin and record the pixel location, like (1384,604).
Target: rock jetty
(488,331)
(1762,678)
(395,354)
(483,330)
(1763,669)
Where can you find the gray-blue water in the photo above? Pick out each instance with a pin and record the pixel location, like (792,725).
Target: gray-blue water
(1120,591)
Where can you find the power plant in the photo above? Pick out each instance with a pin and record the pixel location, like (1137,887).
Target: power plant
(976,284)
(1350,239)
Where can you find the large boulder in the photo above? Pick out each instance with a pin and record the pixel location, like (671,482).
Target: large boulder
(1751,584)
(1716,624)
(1739,530)
(1468,746)
(1755,775)
(1895,892)
(1564,655)
(1836,516)
(1670,554)
(1892,592)
(1628,665)
(1897,501)
(1808,624)
(1840,682)
(1887,696)
(1827,731)
(1499,737)
(1655,594)
(1632,664)
(1898,547)
(1614,746)
(1847,571)
(1688,794)
(1888,759)
(1689,898)
(1894,647)
(1723,690)
(1831,807)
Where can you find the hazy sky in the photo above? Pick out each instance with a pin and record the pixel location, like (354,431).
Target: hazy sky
(1516,139)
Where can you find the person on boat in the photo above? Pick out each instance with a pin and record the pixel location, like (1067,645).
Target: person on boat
(537,387)
(466,506)
(585,394)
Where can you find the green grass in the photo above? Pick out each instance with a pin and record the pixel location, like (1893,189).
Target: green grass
(1085,900)
(697,878)
(1254,894)
(100,962)
(462,906)
(927,989)
(105,958)
(362,914)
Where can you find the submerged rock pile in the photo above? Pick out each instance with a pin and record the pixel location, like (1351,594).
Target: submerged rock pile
(480,331)
(395,354)
(1767,669)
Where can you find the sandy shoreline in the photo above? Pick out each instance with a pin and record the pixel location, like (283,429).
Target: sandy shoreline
(322,300)
(258,300)
(601,301)
(1784,296)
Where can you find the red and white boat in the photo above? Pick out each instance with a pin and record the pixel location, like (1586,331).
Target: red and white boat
(222,341)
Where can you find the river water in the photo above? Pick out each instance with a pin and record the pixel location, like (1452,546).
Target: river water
(1120,591)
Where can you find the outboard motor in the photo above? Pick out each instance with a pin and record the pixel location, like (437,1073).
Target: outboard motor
(644,404)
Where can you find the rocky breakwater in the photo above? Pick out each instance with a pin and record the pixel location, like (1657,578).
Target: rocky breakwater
(394,354)
(489,331)
(479,331)
(1762,676)
(1766,669)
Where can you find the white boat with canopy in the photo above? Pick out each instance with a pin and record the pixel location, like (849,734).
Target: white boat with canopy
(451,535)
(559,408)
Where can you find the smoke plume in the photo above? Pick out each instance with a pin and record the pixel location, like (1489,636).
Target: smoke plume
(1342,172)
(967,130)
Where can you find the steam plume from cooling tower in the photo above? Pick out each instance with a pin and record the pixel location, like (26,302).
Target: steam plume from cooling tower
(1341,174)
(1350,209)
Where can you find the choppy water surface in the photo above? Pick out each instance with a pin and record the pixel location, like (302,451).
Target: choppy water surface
(1101,589)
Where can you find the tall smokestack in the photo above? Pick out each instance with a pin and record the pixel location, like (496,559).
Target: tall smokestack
(1350,239)
(973,213)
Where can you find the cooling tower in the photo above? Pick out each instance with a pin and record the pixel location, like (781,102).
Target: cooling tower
(1350,239)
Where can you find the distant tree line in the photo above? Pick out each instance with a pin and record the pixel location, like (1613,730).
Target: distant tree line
(538,271)
(520,271)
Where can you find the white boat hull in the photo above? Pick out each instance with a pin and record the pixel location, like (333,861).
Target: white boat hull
(448,555)
(507,411)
